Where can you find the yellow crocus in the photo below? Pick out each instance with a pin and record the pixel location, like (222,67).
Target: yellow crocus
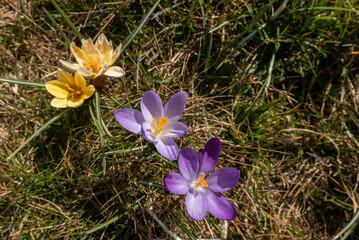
(94,61)
(69,91)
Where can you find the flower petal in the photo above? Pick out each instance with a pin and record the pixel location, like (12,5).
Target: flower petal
(115,72)
(175,106)
(130,119)
(65,77)
(57,88)
(175,129)
(75,102)
(80,81)
(151,106)
(223,179)
(72,66)
(88,92)
(59,102)
(86,72)
(102,70)
(167,148)
(196,206)
(208,157)
(220,207)
(115,55)
(104,46)
(188,163)
(78,53)
(176,184)
(146,131)
(92,57)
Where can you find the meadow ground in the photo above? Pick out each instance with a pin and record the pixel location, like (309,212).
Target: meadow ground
(276,81)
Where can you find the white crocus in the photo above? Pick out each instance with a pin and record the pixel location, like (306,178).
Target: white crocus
(94,61)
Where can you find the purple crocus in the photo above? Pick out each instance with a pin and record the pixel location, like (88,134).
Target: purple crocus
(204,193)
(156,123)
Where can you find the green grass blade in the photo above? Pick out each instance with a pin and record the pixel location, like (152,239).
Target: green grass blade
(120,104)
(265,84)
(101,132)
(100,226)
(54,23)
(253,22)
(22,82)
(67,19)
(350,226)
(279,10)
(95,120)
(126,150)
(51,121)
(114,219)
(147,183)
(133,34)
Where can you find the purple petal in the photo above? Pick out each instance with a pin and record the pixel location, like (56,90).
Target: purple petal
(176,129)
(220,207)
(167,148)
(196,206)
(151,106)
(223,179)
(146,131)
(176,184)
(175,106)
(188,163)
(209,156)
(130,119)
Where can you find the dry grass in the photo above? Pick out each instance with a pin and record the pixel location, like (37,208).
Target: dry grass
(294,140)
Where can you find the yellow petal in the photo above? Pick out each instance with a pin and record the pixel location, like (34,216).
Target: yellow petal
(65,77)
(75,103)
(78,53)
(93,59)
(86,72)
(87,45)
(80,81)
(102,70)
(105,47)
(59,102)
(115,72)
(115,55)
(72,66)
(96,59)
(88,91)
(57,88)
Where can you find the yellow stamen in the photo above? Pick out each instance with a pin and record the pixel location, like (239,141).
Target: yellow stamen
(201,182)
(163,122)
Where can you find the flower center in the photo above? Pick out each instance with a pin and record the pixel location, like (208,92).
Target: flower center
(74,94)
(88,66)
(201,182)
(159,128)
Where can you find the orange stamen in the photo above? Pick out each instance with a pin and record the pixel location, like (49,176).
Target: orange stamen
(74,93)
(201,182)
(159,128)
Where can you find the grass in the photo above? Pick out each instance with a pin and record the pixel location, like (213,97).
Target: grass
(276,81)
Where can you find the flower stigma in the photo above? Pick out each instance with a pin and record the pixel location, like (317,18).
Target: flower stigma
(201,182)
(159,128)
(74,93)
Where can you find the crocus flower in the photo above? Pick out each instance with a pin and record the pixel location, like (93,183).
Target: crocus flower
(94,61)
(156,123)
(69,91)
(204,192)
